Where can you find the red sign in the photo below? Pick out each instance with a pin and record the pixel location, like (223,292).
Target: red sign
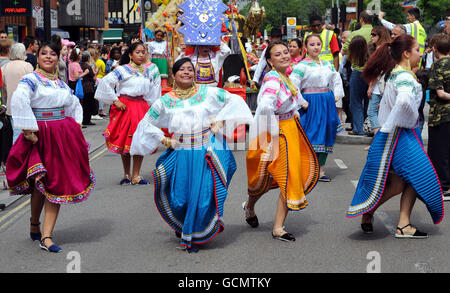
(16,7)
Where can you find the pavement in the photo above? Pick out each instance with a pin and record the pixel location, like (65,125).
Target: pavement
(94,136)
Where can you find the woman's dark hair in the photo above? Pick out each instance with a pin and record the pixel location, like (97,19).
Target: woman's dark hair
(125,59)
(176,67)
(386,57)
(55,47)
(273,44)
(358,51)
(384,36)
(57,40)
(74,55)
(312,35)
(299,42)
(113,51)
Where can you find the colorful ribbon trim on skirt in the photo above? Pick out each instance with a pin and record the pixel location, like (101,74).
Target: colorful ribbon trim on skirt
(286,116)
(193,140)
(49,114)
(402,152)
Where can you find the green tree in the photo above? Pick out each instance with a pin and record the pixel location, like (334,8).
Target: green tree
(433,10)
(394,11)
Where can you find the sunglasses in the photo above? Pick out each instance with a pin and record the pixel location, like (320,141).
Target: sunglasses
(373,35)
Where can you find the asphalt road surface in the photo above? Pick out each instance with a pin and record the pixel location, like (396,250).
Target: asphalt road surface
(118,229)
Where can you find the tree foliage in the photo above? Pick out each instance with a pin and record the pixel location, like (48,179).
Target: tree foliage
(433,11)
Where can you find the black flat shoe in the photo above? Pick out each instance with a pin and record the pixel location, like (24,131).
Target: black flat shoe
(252,221)
(193,249)
(368,227)
(417,234)
(287,237)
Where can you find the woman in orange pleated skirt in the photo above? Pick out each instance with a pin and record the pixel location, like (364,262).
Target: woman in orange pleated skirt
(280,155)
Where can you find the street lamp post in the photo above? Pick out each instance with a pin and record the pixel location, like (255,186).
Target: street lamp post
(47,21)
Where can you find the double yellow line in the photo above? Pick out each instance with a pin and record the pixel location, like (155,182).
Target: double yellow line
(21,209)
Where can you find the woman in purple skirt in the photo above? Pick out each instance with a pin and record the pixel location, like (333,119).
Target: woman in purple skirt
(50,159)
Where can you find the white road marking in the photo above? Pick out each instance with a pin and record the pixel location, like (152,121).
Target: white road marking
(340,164)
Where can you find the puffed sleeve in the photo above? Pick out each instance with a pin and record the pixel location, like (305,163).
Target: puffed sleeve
(336,82)
(265,120)
(224,52)
(73,107)
(21,110)
(155,85)
(231,109)
(297,74)
(405,112)
(105,90)
(147,136)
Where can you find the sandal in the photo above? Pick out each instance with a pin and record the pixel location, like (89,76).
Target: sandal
(252,221)
(288,237)
(138,181)
(417,234)
(325,178)
(125,181)
(35,235)
(53,248)
(368,227)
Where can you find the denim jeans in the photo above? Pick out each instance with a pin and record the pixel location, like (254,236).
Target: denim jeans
(372,110)
(16,132)
(358,101)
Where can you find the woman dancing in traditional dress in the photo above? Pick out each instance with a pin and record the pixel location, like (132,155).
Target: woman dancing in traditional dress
(192,177)
(50,159)
(279,154)
(138,86)
(397,162)
(321,87)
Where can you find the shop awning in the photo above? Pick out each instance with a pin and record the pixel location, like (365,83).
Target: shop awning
(113,34)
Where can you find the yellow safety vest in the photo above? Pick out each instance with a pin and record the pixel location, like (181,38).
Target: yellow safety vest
(418,32)
(326,37)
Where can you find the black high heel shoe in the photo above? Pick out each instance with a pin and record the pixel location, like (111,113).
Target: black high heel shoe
(35,235)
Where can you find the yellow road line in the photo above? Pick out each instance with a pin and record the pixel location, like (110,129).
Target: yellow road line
(24,204)
(21,206)
(97,155)
(17,215)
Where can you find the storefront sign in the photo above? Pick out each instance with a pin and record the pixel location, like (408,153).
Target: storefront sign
(88,13)
(15,7)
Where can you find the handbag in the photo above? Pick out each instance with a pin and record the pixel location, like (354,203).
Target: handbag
(79,89)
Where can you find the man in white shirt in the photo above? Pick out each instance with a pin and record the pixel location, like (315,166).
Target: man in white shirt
(413,28)
(275,35)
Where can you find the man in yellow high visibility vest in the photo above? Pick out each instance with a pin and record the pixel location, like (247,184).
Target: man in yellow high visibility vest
(413,28)
(330,46)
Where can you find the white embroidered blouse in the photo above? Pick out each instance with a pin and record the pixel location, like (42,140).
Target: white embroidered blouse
(309,75)
(125,80)
(192,115)
(37,91)
(274,99)
(401,101)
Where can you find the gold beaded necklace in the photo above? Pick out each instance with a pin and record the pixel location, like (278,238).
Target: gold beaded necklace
(51,76)
(185,94)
